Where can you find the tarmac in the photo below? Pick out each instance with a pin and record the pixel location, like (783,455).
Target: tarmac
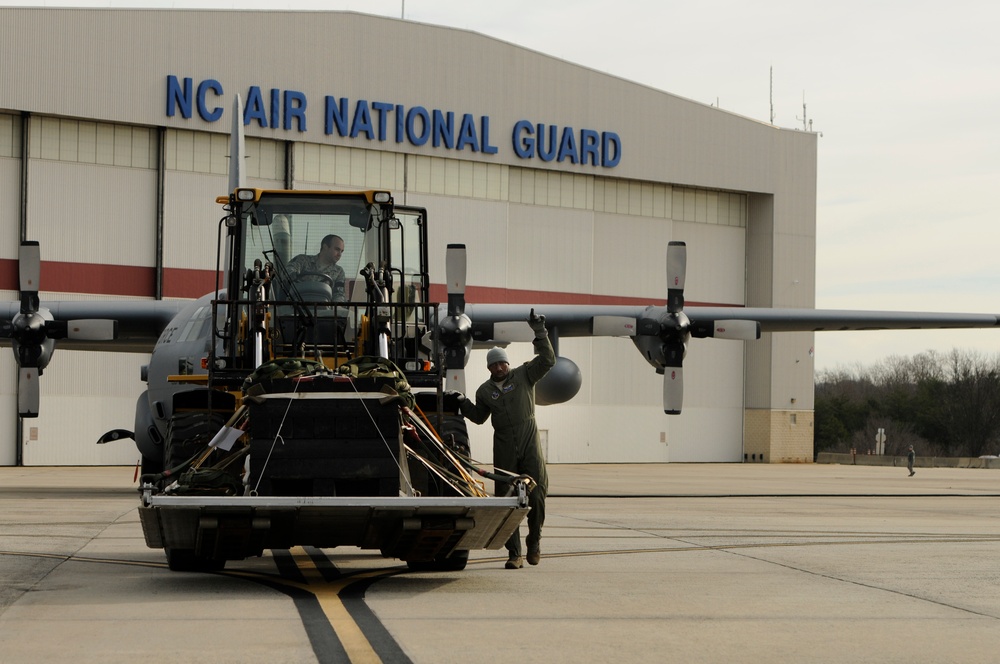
(640,563)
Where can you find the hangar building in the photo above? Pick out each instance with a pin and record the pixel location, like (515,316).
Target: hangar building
(565,183)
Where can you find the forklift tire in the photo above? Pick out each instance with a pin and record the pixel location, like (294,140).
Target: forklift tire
(455,433)
(188,433)
(185,560)
(456,562)
(151,466)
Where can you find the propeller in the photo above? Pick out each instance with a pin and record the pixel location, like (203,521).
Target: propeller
(33,332)
(662,333)
(456,328)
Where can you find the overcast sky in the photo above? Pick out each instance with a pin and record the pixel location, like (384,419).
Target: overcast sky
(906,96)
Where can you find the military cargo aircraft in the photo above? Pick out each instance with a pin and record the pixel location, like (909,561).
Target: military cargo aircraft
(229,366)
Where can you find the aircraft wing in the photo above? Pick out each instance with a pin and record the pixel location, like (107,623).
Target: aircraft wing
(500,323)
(140,322)
(661,330)
(830,320)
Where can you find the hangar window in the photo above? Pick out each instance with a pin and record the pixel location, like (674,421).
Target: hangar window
(343,167)
(10,135)
(704,206)
(201,152)
(80,141)
(537,187)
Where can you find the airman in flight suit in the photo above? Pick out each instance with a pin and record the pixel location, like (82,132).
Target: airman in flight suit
(508,397)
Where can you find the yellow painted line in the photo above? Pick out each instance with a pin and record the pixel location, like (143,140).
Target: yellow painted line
(356,645)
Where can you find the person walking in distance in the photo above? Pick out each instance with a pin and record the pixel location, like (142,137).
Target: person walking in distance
(508,397)
(910,458)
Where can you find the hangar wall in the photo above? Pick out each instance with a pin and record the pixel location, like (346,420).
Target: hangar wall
(136,191)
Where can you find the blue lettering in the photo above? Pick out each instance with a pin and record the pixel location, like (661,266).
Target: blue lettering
(411,118)
(254,109)
(609,141)
(382,109)
(362,120)
(400,123)
(295,107)
(336,116)
(485,124)
(203,88)
(589,147)
(467,134)
(567,146)
(178,96)
(275,107)
(546,154)
(444,129)
(286,109)
(524,140)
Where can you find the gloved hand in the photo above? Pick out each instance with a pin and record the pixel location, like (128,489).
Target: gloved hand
(537,323)
(458,396)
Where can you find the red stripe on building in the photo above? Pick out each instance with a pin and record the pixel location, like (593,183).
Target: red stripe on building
(8,274)
(125,280)
(179,282)
(122,280)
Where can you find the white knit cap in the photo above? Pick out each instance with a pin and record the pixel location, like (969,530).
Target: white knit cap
(495,355)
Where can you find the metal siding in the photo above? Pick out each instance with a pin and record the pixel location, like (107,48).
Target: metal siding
(71,417)
(481,225)
(616,375)
(10,209)
(716,263)
(630,255)
(190,220)
(86,213)
(550,249)
(8,401)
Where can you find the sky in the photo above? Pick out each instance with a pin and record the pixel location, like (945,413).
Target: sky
(905,97)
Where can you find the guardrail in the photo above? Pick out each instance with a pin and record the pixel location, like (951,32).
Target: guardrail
(900,461)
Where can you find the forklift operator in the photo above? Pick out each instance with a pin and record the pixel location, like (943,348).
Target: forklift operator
(322,266)
(509,397)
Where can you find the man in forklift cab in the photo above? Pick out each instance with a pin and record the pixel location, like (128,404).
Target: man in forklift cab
(322,266)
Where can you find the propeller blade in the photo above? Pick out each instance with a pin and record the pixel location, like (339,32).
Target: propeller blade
(673,378)
(673,390)
(739,330)
(29,267)
(676,271)
(455,380)
(455,272)
(613,326)
(92,329)
(27,392)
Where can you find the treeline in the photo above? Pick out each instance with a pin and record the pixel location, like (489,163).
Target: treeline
(944,404)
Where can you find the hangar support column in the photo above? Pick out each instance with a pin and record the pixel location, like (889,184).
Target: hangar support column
(778,369)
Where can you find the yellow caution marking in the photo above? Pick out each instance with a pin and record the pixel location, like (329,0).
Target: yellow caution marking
(357,647)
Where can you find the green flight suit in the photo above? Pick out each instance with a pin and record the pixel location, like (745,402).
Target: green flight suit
(515,434)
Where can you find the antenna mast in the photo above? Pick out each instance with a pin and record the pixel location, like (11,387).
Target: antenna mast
(771,94)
